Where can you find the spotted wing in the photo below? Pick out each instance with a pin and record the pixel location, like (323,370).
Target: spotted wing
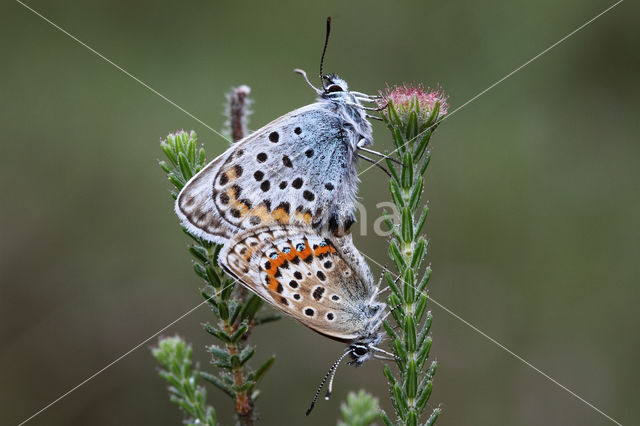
(303,275)
(297,169)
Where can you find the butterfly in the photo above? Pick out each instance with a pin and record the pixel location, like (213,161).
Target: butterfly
(298,169)
(322,282)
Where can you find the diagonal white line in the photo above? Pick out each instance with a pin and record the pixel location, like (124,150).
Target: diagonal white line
(118,67)
(503,347)
(121,357)
(519,358)
(218,133)
(503,78)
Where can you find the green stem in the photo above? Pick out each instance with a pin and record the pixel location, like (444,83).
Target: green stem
(411,391)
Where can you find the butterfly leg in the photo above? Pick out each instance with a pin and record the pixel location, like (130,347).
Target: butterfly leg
(370,98)
(360,146)
(375,163)
(304,75)
(386,358)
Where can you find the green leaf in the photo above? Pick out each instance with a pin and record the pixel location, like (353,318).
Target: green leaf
(218,383)
(360,409)
(434,114)
(262,370)
(407,225)
(390,331)
(390,166)
(199,253)
(400,401)
(185,168)
(432,369)
(412,418)
(418,253)
(411,386)
(420,307)
(408,286)
(396,193)
(433,417)
(164,166)
(390,225)
(400,351)
(250,307)
(391,282)
(425,393)
(168,151)
(422,145)
(217,333)
(407,171)
(178,182)
(213,277)
(425,280)
(266,319)
(424,352)
(416,192)
(409,334)
(412,125)
(396,305)
(218,352)
(385,419)
(200,271)
(191,151)
(425,163)
(394,252)
(241,331)
(389,375)
(421,221)
(246,354)
(398,141)
(223,311)
(393,115)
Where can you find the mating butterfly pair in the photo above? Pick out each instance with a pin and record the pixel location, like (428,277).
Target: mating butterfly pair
(281,201)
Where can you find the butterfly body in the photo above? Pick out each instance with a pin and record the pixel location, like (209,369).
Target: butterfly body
(298,169)
(320,281)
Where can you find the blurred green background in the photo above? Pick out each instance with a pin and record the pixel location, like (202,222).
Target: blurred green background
(533,188)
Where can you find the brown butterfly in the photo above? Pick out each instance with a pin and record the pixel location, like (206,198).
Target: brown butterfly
(320,281)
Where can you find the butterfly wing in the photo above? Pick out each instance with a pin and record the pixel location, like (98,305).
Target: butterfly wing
(303,275)
(298,169)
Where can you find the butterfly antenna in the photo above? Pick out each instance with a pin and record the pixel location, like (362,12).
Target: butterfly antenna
(333,374)
(324,379)
(324,50)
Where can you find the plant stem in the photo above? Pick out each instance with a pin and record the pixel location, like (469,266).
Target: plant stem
(410,392)
(235,308)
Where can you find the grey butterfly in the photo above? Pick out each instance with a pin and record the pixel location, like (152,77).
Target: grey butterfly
(300,168)
(322,282)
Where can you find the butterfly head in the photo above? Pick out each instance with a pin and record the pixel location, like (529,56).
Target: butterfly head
(334,86)
(362,347)
(362,351)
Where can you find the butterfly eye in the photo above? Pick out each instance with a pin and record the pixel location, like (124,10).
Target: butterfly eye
(359,351)
(334,88)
